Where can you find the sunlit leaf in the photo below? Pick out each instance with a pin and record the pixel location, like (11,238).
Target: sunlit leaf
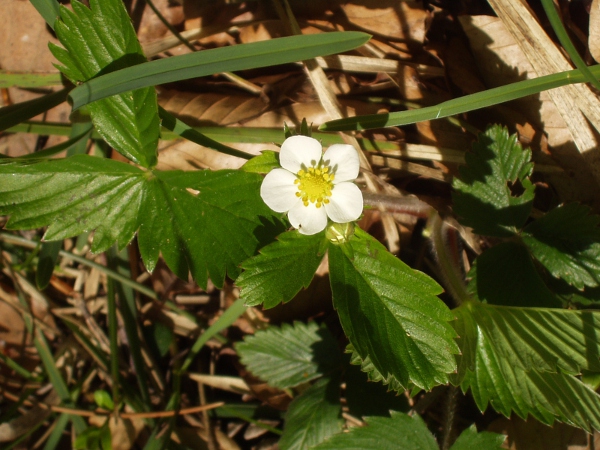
(391,314)
(263,163)
(281,269)
(99,40)
(542,339)
(225,59)
(208,234)
(497,381)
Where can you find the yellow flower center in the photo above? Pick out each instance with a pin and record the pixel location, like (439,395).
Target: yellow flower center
(315,185)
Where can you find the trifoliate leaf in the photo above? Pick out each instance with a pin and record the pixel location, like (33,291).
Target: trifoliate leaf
(483,199)
(291,355)
(544,395)
(263,163)
(207,234)
(533,338)
(400,431)
(470,439)
(97,41)
(391,314)
(281,269)
(567,242)
(313,416)
(505,275)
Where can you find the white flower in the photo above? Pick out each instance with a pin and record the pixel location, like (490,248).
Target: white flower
(312,186)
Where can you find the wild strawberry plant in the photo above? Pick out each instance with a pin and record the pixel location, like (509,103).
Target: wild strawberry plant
(509,338)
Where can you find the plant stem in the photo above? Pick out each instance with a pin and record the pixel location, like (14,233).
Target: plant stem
(448,263)
(449,415)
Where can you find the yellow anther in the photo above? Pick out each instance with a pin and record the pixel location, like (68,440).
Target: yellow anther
(314,185)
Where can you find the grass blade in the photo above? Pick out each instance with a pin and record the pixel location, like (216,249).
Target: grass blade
(226,59)
(566,42)
(461,105)
(20,112)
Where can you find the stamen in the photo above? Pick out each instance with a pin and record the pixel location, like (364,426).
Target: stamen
(315,184)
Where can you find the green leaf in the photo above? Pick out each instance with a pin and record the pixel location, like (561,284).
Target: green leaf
(383,433)
(479,100)
(225,59)
(48,9)
(208,234)
(263,163)
(101,40)
(20,112)
(539,339)
(29,80)
(103,399)
(391,314)
(505,275)
(483,198)
(46,263)
(281,269)
(546,396)
(313,416)
(291,355)
(171,123)
(470,439)
(367,366)
(366,398)
(567,242)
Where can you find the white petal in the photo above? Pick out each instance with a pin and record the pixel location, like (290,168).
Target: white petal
(298,150)
(308,219)
(278,190)
(345,203)
(343,159)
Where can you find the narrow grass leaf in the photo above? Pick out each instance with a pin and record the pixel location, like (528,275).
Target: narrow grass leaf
(461,105)
(208,62)
(565,40)
(20,112)
(46,263)
(29,80)
(48,9)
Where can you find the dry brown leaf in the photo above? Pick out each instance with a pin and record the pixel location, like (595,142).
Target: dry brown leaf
(403,23)
(124,432)
(211,109)
(594,39)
